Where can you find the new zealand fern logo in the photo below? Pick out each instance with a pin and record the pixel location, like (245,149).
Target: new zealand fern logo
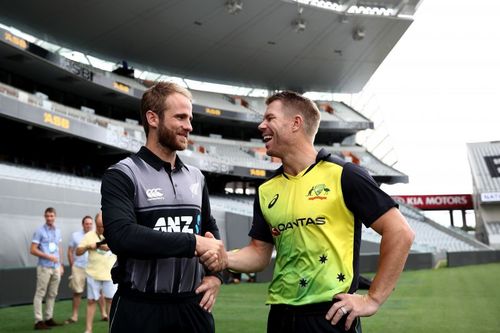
(319,191)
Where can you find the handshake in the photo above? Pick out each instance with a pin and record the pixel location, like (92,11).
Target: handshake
(212,253)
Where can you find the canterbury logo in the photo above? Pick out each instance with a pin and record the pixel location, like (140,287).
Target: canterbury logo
(154,194)
(273,201)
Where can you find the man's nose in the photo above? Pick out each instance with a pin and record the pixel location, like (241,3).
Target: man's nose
(262,126)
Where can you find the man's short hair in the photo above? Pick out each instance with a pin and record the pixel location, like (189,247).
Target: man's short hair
(154,99)
(86,217)
(304,106)
(50,210)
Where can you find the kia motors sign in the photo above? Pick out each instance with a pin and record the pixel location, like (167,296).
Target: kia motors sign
(437,202)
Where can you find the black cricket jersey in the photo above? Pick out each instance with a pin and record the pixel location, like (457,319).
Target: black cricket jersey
(151,213)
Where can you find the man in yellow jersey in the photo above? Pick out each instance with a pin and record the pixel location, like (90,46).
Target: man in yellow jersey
(312,211)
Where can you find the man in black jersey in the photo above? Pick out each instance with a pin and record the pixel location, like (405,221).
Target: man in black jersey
(156,212)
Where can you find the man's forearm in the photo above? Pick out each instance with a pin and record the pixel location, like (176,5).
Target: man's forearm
(70,256)
(394,249)
(61,261)
(140,242)
(80,250)
(253,258)
(40,254)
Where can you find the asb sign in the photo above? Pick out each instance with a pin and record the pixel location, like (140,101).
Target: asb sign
(437,202)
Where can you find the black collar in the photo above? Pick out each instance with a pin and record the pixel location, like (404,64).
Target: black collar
(150,158)
(323,155)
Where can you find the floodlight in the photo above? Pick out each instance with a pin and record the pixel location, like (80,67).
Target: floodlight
(234,6)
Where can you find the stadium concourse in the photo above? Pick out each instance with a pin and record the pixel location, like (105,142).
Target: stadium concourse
(63,122)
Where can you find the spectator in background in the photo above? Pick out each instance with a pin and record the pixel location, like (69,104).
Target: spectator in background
(99,264)
(78,265)
(46,245)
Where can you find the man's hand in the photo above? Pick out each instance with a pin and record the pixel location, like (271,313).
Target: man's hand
(103,247)
(52,258)
(352,306)
(210,286)
(61,270)
(211,251)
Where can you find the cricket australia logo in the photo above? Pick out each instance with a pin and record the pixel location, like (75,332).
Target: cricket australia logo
(154,194)
(319,191)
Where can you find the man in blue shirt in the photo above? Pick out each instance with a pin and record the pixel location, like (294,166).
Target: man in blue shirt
(46,245)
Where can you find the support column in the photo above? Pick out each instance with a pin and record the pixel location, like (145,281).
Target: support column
(451,218)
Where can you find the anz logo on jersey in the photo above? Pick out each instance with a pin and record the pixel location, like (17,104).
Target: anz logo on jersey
(183,224)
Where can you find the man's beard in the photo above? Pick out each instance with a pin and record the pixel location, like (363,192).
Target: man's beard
(168,139)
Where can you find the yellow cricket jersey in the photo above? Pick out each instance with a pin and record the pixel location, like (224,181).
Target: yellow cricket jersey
(314,220)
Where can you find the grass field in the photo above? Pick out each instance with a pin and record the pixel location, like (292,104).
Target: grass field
(454,300)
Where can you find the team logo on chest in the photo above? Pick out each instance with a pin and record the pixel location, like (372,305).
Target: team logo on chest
(195,189)
(154,194)
(319,191)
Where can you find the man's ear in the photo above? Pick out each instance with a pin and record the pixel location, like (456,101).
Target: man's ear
(298,123)
(153,119)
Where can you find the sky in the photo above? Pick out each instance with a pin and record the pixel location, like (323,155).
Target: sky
(437,90)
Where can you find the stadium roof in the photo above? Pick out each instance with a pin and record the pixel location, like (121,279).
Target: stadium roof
(265,44)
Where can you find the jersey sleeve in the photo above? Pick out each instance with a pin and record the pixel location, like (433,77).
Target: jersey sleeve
(260,229)
(209,224)
(363,196)
(125,236)
(208,221)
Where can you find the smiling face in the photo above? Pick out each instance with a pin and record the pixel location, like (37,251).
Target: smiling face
(276,129)
(87,224)
(174,123)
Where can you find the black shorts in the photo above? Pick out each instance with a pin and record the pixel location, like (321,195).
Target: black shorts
(305,319)
(183,315)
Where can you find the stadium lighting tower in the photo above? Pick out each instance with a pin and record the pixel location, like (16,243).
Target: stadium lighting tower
(233,7)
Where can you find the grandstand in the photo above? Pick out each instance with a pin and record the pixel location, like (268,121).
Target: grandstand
(63,122)
(484,160)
